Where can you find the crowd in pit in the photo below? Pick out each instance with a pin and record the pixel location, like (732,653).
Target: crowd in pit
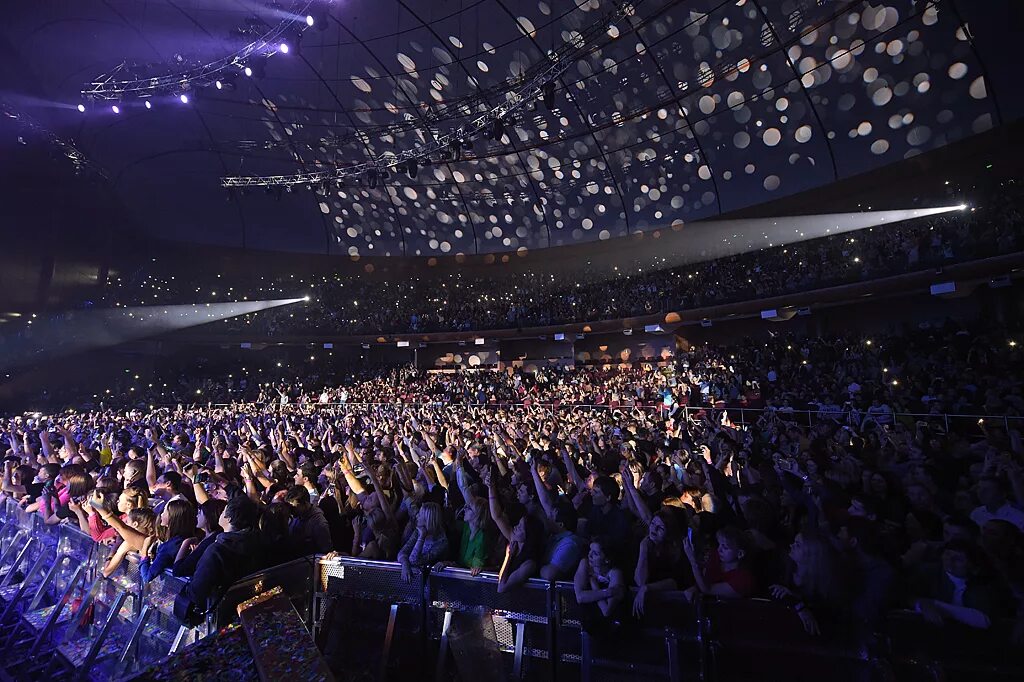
(841,517)
(585,292)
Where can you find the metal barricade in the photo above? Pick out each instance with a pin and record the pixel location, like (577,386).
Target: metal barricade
(296,578)
(156,632)
(667,643)
(362,606)
(520,618)
(48,572)
(16,537)
(64,593)
(748,636)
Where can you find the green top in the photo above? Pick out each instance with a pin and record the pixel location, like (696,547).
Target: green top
(473,549)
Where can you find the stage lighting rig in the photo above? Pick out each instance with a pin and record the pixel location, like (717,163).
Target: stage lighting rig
(182,74)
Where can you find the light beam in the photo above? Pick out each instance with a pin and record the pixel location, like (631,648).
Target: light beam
(75,331)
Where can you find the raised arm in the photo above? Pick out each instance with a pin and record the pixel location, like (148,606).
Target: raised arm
(151,474)
(385,505)
(354,483)
(494,505)
(636,503)
(131,536)
(547,500)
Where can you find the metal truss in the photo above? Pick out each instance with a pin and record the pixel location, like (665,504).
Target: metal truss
(125,82)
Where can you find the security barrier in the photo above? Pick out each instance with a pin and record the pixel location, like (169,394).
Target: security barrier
(59,615)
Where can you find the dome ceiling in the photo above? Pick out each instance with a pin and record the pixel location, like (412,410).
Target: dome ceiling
(663,112)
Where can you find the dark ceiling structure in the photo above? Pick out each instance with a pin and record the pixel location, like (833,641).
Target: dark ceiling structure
(529,123)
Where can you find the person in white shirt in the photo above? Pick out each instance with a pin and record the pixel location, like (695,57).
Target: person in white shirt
(994,504)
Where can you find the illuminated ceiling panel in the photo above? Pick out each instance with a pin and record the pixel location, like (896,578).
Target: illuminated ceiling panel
(677,111)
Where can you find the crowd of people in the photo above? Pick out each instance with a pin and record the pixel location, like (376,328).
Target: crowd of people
(583,292)
(841,516)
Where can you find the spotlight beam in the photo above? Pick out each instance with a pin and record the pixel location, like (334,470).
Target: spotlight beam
(714,239)
(76,331)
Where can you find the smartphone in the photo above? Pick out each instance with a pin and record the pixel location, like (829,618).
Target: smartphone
(94,503)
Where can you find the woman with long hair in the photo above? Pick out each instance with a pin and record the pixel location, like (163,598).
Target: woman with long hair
(138,526)
(384,539)
(177,524)
(599,586)
(208,521)
(427,544)
(815,581)
(73,483)
(523,554)
(660,565)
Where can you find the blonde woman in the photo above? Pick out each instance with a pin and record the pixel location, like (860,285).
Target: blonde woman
(427,544)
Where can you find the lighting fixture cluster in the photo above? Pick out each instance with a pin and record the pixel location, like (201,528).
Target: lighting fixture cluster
(182,77)
(29,129)
(538,85)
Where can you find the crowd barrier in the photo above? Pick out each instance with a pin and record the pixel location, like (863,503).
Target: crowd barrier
(59,616)
(462,623)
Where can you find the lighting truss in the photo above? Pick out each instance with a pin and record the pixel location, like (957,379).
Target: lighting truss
(78,160)
(123,83)
(528,89)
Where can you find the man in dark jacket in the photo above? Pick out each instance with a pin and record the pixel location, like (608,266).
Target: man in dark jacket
(234,554)
(309,530)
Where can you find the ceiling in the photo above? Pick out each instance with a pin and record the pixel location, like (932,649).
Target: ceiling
(676,112)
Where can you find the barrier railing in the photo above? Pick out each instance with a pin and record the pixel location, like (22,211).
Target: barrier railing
(63,615)
(59,613)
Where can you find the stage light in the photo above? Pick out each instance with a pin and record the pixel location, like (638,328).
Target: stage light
(184,98)
(116,109)
(309,20)
(219,85)
(248,71)
(149,105)
(81,108)
(306,298)
(284,48)
(962,207)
